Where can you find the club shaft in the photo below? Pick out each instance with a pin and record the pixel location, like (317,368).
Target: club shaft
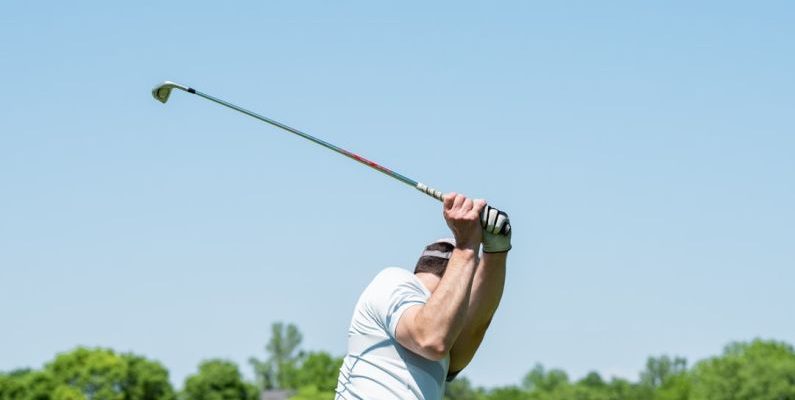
(162,92)
(436,194)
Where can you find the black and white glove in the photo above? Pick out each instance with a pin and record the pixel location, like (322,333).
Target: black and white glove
(495,224)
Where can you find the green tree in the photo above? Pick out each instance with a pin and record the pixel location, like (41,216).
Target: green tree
(677,387)
(38,385)
(274,373)
(461,389)
(507,393)
(146,379)
(593,380)
(590,387)
(96,373)
(101,374)
(539,379)
(65,392)
(311,392)
(665,378)
(622,389)
(12,386)
(759,370)
(218,380)
(318,369)
(660,369)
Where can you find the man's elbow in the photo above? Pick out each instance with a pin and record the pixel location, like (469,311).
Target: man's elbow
(436,349)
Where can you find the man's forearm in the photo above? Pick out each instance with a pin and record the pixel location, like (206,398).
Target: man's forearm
(487,288)
(444,315)
(486,293)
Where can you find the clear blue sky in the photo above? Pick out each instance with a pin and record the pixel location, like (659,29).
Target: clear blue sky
(644,151)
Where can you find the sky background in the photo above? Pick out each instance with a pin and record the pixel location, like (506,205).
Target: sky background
(644,150)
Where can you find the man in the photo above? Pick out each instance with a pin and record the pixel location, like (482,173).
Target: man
(412,332)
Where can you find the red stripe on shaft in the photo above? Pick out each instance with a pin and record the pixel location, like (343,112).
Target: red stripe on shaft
(368,162)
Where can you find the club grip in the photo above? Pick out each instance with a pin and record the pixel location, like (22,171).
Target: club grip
(436,194)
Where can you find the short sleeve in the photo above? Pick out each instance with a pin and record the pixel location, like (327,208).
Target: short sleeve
(397,291)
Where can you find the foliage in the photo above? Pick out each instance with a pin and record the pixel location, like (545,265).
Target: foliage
(274,372)
(146,380)
(312,375)
(218,380)
(312,392)
(16,385)
(318,369)
(545,381)
(461,389)
(659,370)
(759,370)
(68,393)
(756,370)
(507,393)
(91,374)
(96,373)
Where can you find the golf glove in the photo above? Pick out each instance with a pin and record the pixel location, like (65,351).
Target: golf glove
(493,221)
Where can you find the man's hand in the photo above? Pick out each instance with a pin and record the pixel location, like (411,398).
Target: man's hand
(493,220)
(463,217)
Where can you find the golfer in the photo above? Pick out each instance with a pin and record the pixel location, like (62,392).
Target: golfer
(412,332)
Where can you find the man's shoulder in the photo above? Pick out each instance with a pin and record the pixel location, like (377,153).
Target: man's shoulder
(376,300)
(394,273)
(390,279)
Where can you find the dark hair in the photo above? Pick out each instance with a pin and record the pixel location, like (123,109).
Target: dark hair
(431,264)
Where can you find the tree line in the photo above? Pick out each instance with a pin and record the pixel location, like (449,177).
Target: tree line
(755,370)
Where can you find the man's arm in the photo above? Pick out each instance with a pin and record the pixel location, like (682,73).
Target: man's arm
(430,330)
(486,289)
(486,293)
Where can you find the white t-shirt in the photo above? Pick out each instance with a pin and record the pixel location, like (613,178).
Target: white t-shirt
(377,367)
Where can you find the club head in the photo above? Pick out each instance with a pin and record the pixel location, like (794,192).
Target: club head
(163,90)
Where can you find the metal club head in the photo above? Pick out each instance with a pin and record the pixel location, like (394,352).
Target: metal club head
(163,90)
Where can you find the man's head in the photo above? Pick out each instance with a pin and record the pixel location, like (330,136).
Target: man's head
(434,258)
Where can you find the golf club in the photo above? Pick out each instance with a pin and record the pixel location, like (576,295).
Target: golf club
(162,92)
